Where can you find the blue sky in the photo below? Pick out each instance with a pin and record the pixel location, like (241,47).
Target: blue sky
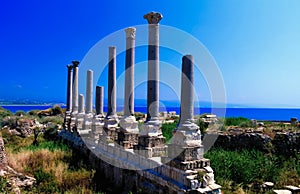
(255,44)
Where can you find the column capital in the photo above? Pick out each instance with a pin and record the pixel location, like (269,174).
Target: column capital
(70,67)
(75,63)
(153,17)
(130,32)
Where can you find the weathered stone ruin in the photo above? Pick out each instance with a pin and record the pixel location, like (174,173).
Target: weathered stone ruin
(116,147)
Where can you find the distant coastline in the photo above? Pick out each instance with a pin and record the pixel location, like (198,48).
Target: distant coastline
(265,114)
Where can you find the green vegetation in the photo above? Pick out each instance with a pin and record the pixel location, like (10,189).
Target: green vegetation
(243,169)
(167,130)
(237,121)
(51,163)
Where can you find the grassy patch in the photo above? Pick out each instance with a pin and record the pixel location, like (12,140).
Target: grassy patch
(50,163)
(243,168)
(237,121)
(167,130)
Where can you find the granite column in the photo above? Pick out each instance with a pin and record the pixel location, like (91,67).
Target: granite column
(69,88)
(99,100)
(111,119)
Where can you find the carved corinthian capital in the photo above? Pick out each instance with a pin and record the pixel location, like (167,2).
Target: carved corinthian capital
(130,32)
(153,17)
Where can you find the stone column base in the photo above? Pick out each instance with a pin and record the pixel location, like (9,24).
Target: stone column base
(127,140)
(151,146)
(97,127)
(184,153)
(111,133)
(67,121)
(80,121)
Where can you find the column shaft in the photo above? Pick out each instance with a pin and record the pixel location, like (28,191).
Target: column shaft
(99,99)
(187,89)
(75,87)
(153,71)
(69,88)
(129,72)
(89,92)
(112,81)
(81,103)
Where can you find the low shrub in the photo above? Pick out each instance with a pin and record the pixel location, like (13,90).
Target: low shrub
(237,121)
(167,130)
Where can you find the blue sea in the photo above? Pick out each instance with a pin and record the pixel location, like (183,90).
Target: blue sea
(278,114)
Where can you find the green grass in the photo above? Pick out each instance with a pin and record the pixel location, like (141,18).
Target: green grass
(237,121)
(247,167)
(52,163)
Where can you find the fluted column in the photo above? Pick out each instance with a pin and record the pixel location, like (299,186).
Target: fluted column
(89,92)
(99,100)
(129,72)
(153,19)
(75,87)
(69,88)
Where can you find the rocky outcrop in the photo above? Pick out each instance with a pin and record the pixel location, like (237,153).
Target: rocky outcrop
(15,180)
(3,161)
(283,143)
(287,143)
(243,141)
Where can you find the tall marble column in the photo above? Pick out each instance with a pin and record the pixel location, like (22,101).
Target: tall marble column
(74,96)
(153,125)
(151,142)
(88,119)
(128,135)
(111,119)
(129,72)
(99,100)
(75,87)
(153,19)
(89,92)
(69,88)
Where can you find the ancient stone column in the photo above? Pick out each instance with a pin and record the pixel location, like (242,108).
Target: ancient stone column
(80,114)
(81,104)
(187,90)
(111,119)
(112,82)
(89,92)
(69,88)
(151,142)
(153,19)
(129,72)
(67,119)
(98,121)
(75,87)
(153,125)
(128,134)
(99,100)
(74,96)
(185,150)
(187,132)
